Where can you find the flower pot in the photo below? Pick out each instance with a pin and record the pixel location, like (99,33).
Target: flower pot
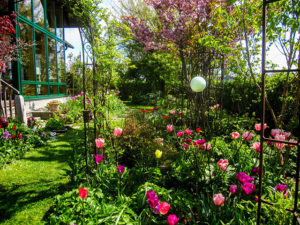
(53,106)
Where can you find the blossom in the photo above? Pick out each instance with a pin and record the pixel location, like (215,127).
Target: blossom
(188,140)
(121,169)
(233,189)
(198,129)
(179,113)
(151,110)
(6,135)
(244,178)
(164,208)
(270,143)
(280,137)
(158,154)
(286,194)
(14,128)
(255,170)
(172,219)
(258,126)
(206,146)
(247,136)
(248,188)
(199,142)
(218,199)
(118,132)
(180,134)
(83,193)
(256,146)
(280,187)
(170,128)
(187,131)
(166,117)
(98,158)
(293,141)
(99,142)
(235,135)
(185,146)
(172,112)
(223,163)
(159,141)
(150,194)
(13,136)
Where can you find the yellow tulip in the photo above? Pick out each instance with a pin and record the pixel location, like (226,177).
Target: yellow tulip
(158,154)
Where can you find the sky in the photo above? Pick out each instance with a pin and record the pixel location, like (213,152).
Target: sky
(73,37)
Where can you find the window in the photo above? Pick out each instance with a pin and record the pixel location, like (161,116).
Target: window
(42,66)
(25,9)
(27,67)
(40,56)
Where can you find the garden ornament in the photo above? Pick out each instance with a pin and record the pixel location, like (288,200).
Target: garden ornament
(198,84)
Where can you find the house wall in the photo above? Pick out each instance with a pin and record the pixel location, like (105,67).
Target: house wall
(40,104)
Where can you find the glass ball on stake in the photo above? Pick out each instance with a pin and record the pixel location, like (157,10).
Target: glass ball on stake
(198,84)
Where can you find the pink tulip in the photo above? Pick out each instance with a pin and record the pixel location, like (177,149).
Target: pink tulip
(206,146)
(218,199)
(172,112)
(244,178)
(280,137)
(180,134)
(248,188)
(258,126)
(179,113)
(235,135)
(118,131)
(256,146)
(172,219)
(99,158)
(286,194)
(170,128)
(223,163)
(121,169)
(280,187)
(233,189)
(293,141)
(99,142)
(247,136)
(187,131)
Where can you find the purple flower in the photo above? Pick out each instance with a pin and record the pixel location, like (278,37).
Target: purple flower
(121,169)
(233,189)
(6,135)
(248,188)
(280,187)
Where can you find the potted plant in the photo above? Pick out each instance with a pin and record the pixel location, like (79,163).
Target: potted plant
(53,105)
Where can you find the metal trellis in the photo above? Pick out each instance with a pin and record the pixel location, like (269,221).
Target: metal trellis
(294,211)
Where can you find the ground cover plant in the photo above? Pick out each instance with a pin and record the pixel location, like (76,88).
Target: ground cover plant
(17,138)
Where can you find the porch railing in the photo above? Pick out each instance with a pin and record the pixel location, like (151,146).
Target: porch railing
(7,93)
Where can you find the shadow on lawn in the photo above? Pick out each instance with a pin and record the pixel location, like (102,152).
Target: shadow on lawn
(18,197)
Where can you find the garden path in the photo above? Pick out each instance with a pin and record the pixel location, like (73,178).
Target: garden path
(28,185)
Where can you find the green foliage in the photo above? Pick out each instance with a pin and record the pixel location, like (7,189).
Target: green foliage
(20,140)
(54,124)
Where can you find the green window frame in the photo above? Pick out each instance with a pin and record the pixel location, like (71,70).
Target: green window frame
(57,86)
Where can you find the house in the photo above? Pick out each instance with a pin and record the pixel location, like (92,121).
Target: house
(39,73)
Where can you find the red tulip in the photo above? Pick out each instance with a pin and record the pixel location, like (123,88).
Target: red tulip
(83,193)
(164,208)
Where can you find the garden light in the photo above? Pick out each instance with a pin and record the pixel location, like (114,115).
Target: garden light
(198,84)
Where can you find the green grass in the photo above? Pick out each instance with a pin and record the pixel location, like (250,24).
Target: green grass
(28,186)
